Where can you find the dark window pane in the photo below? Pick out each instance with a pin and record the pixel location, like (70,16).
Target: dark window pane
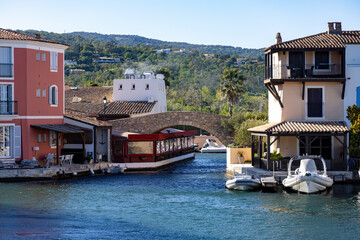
(314,103)
(322,60)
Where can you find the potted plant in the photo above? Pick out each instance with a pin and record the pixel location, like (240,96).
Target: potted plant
(240,157)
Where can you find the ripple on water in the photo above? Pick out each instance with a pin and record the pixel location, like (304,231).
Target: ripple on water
(186,201)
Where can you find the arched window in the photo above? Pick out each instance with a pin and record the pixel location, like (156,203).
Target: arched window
(53,95)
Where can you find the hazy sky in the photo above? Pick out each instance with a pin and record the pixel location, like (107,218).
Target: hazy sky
(250,24)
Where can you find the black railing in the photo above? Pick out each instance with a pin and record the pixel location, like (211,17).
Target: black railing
(6,70)
(8,107)
(282,71)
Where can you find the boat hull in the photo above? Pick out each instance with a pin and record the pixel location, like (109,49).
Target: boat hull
(243,184)
(213,150)
(308,184)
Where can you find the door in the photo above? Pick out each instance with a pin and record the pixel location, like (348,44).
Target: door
(296,64)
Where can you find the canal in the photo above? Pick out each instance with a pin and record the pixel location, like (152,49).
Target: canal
(187,201)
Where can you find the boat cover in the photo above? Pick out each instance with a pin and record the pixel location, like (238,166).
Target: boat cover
(307,165)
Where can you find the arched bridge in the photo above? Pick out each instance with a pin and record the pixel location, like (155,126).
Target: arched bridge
(156,122)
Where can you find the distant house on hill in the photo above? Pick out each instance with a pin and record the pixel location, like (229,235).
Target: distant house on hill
(70,63)
(108,60)
(209,56)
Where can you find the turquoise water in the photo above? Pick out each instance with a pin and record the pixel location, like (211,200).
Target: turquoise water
(187,201)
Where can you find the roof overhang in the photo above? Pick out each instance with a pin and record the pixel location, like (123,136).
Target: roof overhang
(294,128)
(60,128)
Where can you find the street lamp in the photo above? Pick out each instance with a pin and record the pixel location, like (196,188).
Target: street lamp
(104,101)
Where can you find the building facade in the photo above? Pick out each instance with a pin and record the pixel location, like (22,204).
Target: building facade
(311,81)
(31,93)
(141,88)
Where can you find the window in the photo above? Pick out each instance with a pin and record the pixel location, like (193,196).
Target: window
(44,92)
(133,87)
(39,138)
(120,87)
(6,66)
(145,147)
(147,87)
(44,57)
(6,101)
(320,145)
(37,56)
(53,61)
(45,138)
(53,95)
(315,103)
(38,92)
(322,60)
(52,139)
(6,136)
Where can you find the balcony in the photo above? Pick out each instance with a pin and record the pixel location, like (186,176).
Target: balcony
(8,108)
(6,70)
(282,71)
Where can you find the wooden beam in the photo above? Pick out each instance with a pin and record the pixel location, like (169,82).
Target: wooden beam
(339,140)
(274,140)
(83,144)
(343,90)
(303,90)
(278,96)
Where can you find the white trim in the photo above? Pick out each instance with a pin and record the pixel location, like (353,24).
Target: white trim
(53,105)
(34,45)
(40,117)
(8,117)
(306,103)
(12,61)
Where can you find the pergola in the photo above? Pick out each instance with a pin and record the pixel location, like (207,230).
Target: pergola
(61,129)
(308,130)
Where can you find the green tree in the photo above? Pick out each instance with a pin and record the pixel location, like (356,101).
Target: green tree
(231,86)
(167,75)
(353,114)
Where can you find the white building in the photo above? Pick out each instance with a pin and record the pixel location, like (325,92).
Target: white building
(141,88)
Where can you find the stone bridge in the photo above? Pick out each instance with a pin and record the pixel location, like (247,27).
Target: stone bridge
(156,122)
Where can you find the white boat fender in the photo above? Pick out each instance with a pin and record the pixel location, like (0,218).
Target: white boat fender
(92,171)
(74,173)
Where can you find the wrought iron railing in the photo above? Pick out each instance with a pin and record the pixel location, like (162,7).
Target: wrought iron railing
(6,70)
(8,107)
(282,71)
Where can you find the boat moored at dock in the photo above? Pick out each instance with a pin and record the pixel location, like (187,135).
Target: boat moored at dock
(306,178)
(243,182)
(211,146)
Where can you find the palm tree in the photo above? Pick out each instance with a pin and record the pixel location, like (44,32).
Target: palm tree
(231,86)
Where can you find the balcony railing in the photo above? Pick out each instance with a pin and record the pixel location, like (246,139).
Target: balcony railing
(8,108)
(281,71)
(6,70)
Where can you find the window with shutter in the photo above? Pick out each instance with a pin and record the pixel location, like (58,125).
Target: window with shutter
(53,95)
(53,61)
(315,103)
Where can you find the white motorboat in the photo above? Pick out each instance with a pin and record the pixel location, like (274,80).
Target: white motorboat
(211,146)
(243,182)
(306,178)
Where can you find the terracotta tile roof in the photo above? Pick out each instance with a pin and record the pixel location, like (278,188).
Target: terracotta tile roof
(114,109)
(83,117)
(91,99)
(12,35)
(320,41)
(293,127)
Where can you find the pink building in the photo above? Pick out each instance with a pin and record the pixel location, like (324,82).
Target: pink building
(31,93)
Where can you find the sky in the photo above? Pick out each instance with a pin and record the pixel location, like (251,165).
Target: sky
(239,23)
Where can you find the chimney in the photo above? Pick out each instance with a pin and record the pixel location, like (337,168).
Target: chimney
(37,35)
(278,38)
(334,28)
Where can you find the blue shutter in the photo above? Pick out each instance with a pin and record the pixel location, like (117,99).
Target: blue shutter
(17,141)
(358,96)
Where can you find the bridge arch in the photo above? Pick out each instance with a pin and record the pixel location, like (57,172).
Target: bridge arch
(156,122)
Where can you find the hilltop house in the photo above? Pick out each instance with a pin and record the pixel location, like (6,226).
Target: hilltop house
(31,96)
(311,81)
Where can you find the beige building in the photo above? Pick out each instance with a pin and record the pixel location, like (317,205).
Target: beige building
(308,95)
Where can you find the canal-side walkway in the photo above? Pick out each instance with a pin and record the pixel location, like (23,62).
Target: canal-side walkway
(337,176)
(55,172)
